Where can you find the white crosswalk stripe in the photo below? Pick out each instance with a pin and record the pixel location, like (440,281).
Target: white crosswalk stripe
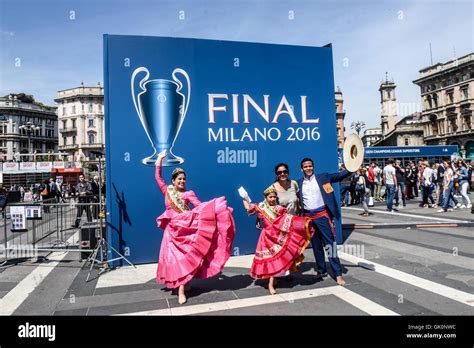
(350,297)
(15,297)
(428,285)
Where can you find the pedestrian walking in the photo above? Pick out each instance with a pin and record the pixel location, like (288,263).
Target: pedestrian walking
(364,190)
(378,182)
(390,181)
(464,183)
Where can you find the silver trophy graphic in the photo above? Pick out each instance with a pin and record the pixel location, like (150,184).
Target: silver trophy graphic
(161,107)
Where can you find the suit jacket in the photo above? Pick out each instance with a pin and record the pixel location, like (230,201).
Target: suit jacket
(324,181)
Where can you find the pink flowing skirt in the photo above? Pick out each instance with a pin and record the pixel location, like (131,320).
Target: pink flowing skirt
(196,243)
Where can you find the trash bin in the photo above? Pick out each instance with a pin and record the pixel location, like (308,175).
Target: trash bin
(89,232)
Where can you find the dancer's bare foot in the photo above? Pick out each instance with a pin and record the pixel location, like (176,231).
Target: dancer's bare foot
(181,295)
(271,286)
(340,281)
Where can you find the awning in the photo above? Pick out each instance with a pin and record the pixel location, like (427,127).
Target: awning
(66,170)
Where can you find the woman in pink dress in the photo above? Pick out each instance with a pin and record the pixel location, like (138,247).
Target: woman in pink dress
(196,242)
(282,241)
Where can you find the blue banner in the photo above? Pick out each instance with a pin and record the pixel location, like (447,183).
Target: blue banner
(410,151)
(227,112)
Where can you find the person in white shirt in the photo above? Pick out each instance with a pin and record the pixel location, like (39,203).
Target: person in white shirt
(390,180)
(319,203)
(427,185)
(448,187)
(378,182)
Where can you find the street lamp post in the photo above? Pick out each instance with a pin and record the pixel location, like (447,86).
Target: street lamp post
(358,126)
(29,127)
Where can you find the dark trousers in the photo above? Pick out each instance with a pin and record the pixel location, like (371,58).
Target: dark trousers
(352,191)
(372,188)
(345,188)
(400,191)
(95,207)
(323,236)
(80,210)
(411,190)
(426,194)
(441,192)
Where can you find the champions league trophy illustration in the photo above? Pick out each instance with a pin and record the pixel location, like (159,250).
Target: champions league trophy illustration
(161,107)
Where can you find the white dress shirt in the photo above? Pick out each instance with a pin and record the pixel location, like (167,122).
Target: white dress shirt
(312,197)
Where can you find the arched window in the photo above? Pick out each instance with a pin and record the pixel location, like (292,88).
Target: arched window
(434,124)
(430,104)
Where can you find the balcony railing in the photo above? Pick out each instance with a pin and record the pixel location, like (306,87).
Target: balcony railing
(68,130)
(68,147)
(91,146)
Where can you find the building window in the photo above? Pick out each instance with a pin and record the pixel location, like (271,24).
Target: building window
(454,126)
(450,95)
(407,142)
(91,122)
(388,94)
(91,138)
(64,110)
(64,141)
(64,124)
(467,122)
(73,109)
(100,107)
(73,123)
(73,140)
(435,100)
(90,108)
(430,104)
(465,93)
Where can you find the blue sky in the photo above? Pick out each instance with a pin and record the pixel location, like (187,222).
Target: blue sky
(368,37)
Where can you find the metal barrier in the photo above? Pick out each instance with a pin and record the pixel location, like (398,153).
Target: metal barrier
(34,228)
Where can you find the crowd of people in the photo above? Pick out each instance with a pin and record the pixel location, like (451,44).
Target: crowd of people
(444,186)
(51,192)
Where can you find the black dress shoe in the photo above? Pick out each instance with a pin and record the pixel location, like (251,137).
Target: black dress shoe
(321,275)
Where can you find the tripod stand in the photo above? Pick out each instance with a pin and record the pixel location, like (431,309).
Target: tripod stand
(97,256)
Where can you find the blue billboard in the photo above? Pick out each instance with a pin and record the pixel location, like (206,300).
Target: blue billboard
(410,151)
(227,112)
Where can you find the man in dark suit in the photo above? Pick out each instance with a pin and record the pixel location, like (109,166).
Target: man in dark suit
(317,198)
(97,190)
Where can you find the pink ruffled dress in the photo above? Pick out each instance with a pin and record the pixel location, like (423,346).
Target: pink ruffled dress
(196,242)
(282,241)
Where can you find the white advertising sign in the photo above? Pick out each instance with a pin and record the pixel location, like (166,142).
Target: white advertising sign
(10,167)
(44,166)
(29,167)
(59,165)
